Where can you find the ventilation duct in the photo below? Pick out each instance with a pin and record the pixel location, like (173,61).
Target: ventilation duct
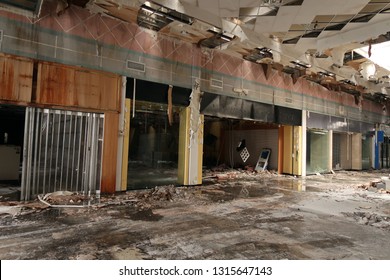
(156,17)
(219,38)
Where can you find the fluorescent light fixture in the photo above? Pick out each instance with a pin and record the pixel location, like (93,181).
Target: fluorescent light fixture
(380,54)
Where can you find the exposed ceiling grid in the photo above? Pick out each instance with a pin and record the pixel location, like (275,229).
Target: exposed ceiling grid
(285,17)
(312,31)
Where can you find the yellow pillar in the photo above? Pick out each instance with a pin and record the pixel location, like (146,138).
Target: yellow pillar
(125,154)
(297,151)
(190,148)
(287,149)
(292,150)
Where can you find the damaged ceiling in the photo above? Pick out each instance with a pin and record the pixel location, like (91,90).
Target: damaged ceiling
(315,39)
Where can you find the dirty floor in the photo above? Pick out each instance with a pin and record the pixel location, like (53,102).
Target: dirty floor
(234,215)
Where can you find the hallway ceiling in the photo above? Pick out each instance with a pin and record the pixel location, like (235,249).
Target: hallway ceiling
(314,35)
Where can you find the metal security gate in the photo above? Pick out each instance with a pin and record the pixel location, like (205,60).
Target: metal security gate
(62,152)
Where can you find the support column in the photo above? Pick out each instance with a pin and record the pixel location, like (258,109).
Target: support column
(280,150)
(191,141)
(330,141)
(121,137)
(287,149)
(304,142)
(125,153)
(297,150)
(292,150)
(356,151)
(379,138)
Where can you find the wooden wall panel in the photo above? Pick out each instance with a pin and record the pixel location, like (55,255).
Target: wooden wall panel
(16,75)
(76,87)
(55,85)
(110,150)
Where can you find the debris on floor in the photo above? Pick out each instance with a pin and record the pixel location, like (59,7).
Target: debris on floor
(249,215)
(371,219)
(377,185)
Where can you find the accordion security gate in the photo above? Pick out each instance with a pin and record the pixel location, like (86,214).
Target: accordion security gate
(62,152)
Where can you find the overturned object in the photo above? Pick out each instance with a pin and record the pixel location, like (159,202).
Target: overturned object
(262,162)
(244,153)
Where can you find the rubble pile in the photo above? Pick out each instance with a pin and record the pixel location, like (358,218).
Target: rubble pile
(164,193)
(377,185)
(224,173)
(372,219)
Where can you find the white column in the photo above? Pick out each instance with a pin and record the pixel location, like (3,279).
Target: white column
(304,141)
(330,139)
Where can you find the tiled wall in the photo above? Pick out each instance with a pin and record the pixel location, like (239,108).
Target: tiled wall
(98,42)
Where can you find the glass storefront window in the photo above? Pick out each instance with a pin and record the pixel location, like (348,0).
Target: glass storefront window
(317,151)
(153,146)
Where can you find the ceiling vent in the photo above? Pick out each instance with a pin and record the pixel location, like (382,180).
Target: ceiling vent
(137,66)
(216,83)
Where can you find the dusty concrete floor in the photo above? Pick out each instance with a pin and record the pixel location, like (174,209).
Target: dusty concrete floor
(238,216)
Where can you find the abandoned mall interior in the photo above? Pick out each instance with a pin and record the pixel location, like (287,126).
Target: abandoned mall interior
(251,108)
(111,96)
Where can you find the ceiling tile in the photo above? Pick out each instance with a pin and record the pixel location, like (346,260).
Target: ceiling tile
(211,6)
(264,24)
(229,8)
(249,3)
(298,27)
(342,18)
(307,43)
(192,2)
(285,17)
(323,18)
(373,8)
(352,6)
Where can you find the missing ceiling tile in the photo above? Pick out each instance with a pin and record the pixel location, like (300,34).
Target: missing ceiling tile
(335,27)
(364,18)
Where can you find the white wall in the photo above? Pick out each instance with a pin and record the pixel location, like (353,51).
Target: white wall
(256,140)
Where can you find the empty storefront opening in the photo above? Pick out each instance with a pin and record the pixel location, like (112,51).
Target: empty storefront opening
(153,146)
(223,136)
(154,132)
(11,144)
